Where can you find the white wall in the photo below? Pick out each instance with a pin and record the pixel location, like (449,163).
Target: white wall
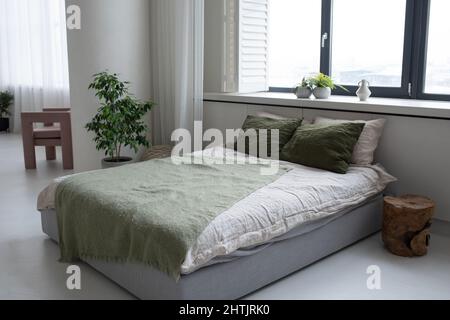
(214,28)
(415,150)
(114,35)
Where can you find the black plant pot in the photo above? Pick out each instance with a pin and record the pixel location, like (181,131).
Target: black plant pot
(4,124)
(110,163)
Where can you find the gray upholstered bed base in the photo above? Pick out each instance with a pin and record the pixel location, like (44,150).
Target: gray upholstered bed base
(240,277)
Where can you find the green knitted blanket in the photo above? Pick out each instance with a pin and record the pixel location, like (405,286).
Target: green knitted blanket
(151,212)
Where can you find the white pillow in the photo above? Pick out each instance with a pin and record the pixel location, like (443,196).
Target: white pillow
(367,144)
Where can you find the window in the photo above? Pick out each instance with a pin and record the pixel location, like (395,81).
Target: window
(364,48)
(294,49)
(34,61)
(399,46)
(437,80)
(33,46)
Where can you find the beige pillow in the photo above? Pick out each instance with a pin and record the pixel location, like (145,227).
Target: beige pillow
(364,152)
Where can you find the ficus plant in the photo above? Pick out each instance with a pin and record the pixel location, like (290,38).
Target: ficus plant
(119,121)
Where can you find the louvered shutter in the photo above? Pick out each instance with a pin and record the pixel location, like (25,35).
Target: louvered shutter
(253,45)
(230,50)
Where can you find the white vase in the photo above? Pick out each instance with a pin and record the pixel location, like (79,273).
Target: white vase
(364,92)
(303,93)
(322,93)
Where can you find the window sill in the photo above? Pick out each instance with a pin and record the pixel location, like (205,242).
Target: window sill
(400,107)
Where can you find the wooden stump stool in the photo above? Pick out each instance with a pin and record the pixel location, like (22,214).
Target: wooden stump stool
(406,225)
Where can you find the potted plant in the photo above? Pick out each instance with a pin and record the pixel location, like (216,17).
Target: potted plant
(119,121)
(304,89)
(6,100)
(323,85)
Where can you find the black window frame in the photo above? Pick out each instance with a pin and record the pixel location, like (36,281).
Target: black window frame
(414,55)
(419,79)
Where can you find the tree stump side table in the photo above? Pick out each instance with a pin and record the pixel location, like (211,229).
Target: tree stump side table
(406,225)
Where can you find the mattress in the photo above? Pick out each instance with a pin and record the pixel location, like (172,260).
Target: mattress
(51,229)
(299,231)
(239,277)
(302,197)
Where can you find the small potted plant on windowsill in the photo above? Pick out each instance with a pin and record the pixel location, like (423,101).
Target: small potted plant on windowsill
(304,89)
(118,122)
(323,85)
(6,100)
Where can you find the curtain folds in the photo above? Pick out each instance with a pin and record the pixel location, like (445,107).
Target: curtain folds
(177,66)
(33,55)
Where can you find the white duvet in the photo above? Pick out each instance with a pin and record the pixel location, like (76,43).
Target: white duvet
(299,196)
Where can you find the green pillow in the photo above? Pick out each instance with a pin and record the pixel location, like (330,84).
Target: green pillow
(328,147)
(286,128)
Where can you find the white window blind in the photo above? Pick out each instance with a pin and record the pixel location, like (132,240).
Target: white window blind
(253,45)
(230,45)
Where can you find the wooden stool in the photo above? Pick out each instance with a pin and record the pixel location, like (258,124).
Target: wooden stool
(406,225)
(157,152)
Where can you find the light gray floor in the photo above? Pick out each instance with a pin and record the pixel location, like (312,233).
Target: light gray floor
(29,267)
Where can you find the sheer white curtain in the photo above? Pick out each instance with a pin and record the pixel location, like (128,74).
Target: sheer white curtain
(33,55)
(177,65)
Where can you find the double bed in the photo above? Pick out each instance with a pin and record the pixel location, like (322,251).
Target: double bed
(299,218)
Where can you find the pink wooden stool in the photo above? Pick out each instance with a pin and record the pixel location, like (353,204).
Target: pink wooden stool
(50,136)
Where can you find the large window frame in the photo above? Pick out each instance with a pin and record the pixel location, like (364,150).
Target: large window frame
(420,60)
(414,54)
